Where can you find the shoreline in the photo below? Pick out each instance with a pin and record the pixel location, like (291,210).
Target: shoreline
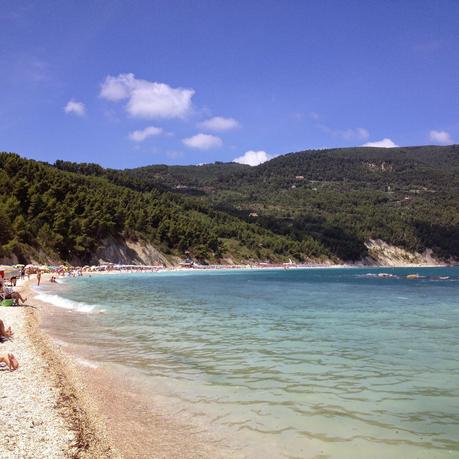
(45,411)
(111,399)
(220,268)
(63,407)
(102,413)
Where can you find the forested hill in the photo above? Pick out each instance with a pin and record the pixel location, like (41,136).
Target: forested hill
(51,215)
(311,205)
(362,166)
(408,197)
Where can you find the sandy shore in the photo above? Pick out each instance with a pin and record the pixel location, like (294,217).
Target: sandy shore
(44,411)
(55,406)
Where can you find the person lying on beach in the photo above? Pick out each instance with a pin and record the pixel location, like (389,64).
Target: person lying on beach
(10,361)
(9,294)
(5,332)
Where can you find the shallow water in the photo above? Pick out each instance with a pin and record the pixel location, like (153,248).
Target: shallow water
(299,363)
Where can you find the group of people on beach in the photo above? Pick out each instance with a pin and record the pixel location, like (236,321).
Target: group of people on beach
(8,293)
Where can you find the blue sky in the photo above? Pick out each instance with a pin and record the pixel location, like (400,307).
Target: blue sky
(184,82)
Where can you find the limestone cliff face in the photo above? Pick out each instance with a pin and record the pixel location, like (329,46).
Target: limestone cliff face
(383,254)
(129,252)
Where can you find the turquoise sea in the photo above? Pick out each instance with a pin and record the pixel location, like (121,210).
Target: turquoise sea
(313,363)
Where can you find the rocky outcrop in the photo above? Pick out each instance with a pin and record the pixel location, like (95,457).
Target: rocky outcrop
(381,253)
(122,251)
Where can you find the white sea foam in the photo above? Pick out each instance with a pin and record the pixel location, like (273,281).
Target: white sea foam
(64,303)
(86,363)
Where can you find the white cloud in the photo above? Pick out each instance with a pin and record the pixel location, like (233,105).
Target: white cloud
(253,158)
(219,123)
(141,135)
(118,88)
(384,143)
(346,134)
(203,141)
(442,137)
(147,99)
(77,108)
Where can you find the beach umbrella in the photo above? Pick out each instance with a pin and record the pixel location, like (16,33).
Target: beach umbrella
(7,272)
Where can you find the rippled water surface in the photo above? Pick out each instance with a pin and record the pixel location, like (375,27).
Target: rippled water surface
(299,363)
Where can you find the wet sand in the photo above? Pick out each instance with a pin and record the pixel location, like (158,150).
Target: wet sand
(141,429)
(64,407)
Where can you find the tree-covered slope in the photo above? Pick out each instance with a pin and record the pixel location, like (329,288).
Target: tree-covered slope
(360,165)
(408,197)
(66,215)
(311,204)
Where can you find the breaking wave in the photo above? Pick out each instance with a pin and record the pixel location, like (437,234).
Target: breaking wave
(86,363)
(64,303)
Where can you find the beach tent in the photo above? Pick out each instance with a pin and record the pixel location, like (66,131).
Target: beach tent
(31,266)
(7,272)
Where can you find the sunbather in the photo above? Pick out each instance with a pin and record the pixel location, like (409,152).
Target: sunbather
(5,332)
(10,294)
(10,360)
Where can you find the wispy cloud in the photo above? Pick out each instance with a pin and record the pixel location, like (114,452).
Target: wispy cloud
(203,141)
(383,143)
(253,158)
(218,123)
(346,134)
(357,134)
(442,137)
(147,99)
(141,135)
(38,70)
(26,68)
(75,108)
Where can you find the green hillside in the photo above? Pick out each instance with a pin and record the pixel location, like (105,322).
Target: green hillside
(309,205)
(60,215)
(408,197)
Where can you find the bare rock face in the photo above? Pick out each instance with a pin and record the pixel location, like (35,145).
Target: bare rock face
(383,254)
(148,253)
(122,251)
(381,166)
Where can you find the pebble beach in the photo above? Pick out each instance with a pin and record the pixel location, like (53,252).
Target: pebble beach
(44,412)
